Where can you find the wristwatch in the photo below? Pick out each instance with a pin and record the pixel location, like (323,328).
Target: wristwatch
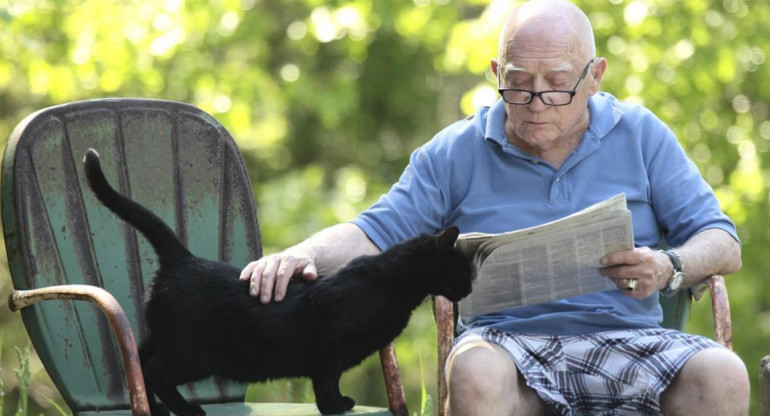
(676,279)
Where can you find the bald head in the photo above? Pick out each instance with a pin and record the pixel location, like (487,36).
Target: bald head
(539,26)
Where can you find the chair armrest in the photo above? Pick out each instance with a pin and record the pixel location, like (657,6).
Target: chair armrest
(444,311)
(764,386)
(393,385)
(19,299)
(723,329)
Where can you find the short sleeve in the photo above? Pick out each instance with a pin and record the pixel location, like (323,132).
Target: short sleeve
(415,205)
(683,201)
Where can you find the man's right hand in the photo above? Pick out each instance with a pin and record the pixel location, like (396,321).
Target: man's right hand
(271,274)
(327,250)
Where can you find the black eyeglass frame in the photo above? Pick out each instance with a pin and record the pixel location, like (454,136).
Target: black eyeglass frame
(539,94)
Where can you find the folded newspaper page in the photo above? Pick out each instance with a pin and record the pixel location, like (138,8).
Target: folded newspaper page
(556,260)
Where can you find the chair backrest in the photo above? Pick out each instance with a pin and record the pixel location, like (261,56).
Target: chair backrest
(173,158)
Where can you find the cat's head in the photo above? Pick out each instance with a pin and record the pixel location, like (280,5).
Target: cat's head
(447,272)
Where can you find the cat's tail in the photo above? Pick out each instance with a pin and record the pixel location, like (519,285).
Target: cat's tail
(163,239)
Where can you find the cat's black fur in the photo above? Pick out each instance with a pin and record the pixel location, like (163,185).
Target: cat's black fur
(203,322)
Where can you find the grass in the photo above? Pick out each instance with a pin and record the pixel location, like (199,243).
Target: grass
(426,402)
(2,389)
(23,375)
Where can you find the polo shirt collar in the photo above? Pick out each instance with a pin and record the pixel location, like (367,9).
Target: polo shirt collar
(605,115)
(495,128)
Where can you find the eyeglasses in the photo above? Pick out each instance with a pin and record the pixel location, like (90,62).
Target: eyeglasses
(553,98)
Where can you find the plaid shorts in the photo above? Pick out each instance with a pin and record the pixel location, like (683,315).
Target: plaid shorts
(605,373)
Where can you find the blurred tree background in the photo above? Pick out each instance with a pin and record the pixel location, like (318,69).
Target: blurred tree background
(327,99)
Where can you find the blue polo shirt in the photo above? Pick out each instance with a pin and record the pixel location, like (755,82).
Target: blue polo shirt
(468,175)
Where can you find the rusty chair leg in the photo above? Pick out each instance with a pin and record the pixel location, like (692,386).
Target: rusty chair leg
(723,329)
(393,384)
(445,321)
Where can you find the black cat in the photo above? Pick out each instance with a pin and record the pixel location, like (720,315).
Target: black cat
(203,322)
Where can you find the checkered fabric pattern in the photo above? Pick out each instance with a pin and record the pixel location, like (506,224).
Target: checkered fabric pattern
(606,373)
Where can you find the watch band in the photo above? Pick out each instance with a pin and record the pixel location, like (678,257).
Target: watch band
(676,278)
(676,261)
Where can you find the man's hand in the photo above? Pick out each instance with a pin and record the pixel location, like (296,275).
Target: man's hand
(325,252)
(650,269)
(271,274)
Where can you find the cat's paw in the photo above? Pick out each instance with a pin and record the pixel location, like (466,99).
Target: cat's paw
(197,411)
(189,410)
(349,403)
(157,409)
(335,408)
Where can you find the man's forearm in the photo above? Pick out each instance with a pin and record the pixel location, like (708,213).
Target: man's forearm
(709,252)
(333,247)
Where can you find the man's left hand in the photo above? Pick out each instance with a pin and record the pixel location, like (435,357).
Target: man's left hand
(650,269)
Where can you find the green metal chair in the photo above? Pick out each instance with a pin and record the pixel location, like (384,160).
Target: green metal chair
(62,244)
(676,312)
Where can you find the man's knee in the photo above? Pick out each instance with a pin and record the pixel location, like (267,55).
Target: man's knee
(483,380)
(714,378)
(717,368)
(479,377)
(480,365)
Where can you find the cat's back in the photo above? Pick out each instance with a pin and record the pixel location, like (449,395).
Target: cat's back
(193,290)
(208,290)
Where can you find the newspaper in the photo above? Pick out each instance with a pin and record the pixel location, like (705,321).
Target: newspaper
(552,261)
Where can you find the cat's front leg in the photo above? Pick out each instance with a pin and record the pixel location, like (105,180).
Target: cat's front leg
(177,404)
(156,408)
(327,394)
(158,382)
(146,354)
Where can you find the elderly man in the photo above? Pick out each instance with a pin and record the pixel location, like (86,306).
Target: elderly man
(553,145)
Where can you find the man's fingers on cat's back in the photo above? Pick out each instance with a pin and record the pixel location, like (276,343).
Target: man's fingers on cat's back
(310,272)
(246,272)
(287,269)
(253,273)
(268,278)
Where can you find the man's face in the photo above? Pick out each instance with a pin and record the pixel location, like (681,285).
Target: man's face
(543,61)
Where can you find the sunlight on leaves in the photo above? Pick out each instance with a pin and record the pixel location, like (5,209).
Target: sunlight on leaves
(635,12)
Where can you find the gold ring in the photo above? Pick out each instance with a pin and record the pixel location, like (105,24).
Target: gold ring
(629,284)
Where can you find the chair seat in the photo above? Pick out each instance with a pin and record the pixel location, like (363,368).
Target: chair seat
(261,409)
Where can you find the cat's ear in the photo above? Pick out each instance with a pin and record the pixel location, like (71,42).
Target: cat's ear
(449,236)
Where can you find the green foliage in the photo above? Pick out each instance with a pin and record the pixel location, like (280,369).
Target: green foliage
(56,408)
(327,99)
(2,385)
(426,401)
(23,375)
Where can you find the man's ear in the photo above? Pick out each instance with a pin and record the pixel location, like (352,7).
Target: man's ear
(493,65)
(597,72)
